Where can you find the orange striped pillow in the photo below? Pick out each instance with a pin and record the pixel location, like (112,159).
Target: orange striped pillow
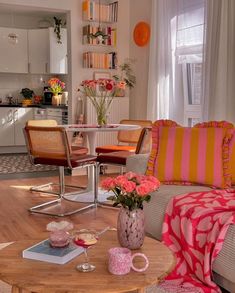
(231,156)
(194,155)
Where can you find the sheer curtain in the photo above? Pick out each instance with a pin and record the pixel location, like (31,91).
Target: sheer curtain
(177,39)
(219,74)
(161,84)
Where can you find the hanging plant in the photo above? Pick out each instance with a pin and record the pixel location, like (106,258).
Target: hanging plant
(57,28)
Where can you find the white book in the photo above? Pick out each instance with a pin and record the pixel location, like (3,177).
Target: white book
(44,252)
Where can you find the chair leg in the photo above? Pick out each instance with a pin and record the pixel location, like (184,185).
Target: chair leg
(61,194)
(42,188)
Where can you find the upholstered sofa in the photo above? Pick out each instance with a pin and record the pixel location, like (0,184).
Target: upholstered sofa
(224,265)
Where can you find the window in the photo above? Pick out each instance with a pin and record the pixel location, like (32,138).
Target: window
(189,53)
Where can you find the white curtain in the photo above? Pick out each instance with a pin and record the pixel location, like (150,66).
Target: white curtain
(219,74)
(177,37)
(162,100)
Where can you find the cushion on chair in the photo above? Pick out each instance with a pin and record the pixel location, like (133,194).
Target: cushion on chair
(114,148)
(190,155)
(76,161)
(118,158)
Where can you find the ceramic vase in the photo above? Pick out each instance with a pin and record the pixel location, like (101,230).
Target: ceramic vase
(130,228)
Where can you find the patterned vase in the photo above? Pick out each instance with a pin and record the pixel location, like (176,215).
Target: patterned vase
(130,228)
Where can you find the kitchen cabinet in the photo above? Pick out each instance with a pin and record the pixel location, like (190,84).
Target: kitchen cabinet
(13,50)
(21,116)
(13,121)
(7,127)
(46,55)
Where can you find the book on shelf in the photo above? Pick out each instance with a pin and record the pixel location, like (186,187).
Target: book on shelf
(100,60)
(105,13)
(44,252)
(92,29)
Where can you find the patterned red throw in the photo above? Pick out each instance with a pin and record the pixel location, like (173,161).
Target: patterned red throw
(194,228)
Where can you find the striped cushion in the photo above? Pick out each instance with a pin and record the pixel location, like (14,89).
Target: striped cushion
(194,155)
(232,157)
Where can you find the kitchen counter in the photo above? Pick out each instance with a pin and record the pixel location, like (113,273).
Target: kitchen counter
(33,106)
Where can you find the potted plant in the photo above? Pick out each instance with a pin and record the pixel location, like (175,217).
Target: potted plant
(126,75)
(28,95)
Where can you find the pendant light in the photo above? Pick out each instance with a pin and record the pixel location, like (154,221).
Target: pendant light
(99,35)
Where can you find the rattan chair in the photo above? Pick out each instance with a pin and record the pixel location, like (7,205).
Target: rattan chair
(50,146)
(127,139)
(48,187)
(119,158)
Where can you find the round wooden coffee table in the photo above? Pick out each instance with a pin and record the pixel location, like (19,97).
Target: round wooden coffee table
(35,276)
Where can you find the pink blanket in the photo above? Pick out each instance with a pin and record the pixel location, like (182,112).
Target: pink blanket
(194,228)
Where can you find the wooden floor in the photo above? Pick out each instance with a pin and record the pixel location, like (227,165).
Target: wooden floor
(17,223)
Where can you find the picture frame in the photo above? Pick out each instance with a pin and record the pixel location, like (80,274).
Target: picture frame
(100,74)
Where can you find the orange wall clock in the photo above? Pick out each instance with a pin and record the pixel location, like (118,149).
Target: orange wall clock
(141,33)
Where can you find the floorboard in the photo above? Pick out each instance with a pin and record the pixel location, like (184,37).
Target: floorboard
(17,223)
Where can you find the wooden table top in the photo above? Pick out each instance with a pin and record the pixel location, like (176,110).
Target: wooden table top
(35,276)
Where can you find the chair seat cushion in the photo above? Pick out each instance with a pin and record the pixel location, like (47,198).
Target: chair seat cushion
(76,161)
(115,148)
(118,158)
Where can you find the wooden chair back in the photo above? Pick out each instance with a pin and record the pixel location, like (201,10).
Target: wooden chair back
(48,122)
(47,142)
(132,136)
(144,144)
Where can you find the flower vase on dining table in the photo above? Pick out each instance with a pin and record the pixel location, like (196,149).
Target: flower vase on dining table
(101,93)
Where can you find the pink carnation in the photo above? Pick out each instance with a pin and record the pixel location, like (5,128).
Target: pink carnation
(128,186)
(108,183)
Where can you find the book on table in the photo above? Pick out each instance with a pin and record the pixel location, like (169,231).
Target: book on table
(44,252)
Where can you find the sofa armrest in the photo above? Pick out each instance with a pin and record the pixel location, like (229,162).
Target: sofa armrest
(137,163)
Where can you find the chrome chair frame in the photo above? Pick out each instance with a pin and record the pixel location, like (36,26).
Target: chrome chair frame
(61,194)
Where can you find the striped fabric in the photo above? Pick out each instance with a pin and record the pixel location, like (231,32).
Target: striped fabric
(190,155)
(232,157)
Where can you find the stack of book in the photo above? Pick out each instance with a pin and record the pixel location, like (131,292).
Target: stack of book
(91,11)
(100,60)
(88,30)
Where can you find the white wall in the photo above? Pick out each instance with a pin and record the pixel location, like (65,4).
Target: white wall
(75,47)
(139,11)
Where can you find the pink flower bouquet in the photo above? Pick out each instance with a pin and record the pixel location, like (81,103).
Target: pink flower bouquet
(56,85)
(131,189)
(101,93)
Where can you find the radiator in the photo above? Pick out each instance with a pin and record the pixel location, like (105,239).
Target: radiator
(118,110)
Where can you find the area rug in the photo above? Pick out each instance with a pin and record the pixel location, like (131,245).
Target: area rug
(19,163)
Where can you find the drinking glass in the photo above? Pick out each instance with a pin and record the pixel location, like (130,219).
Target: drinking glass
(85,238)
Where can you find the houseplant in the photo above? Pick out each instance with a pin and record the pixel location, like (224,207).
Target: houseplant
(28,95)
(130,191)
(101,93)
(56,87)
(126,75)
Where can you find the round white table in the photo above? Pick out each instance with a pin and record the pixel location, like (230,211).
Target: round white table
(91,131)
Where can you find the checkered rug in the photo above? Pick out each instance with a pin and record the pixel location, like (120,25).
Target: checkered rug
(19,163)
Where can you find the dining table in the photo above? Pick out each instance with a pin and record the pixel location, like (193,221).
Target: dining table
(91,131)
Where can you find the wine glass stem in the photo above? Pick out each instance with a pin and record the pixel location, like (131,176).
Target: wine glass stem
(86,256)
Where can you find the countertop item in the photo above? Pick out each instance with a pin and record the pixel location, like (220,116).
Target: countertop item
(33,106)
